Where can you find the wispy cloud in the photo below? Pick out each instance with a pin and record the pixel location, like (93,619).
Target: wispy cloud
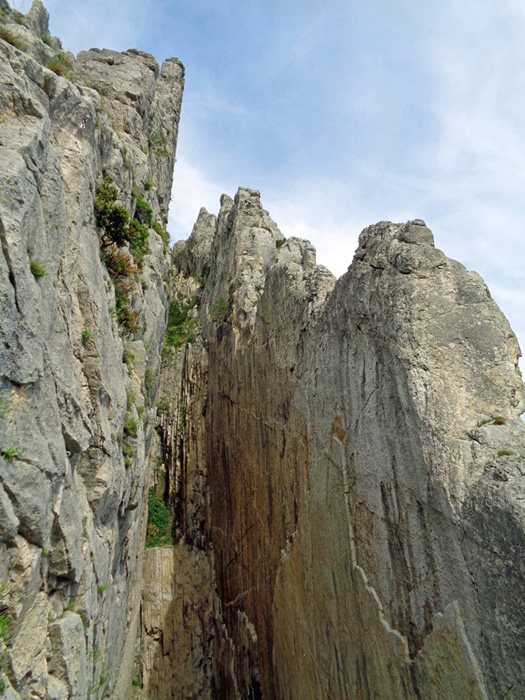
(191,191)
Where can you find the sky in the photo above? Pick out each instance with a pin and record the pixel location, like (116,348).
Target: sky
(343,113)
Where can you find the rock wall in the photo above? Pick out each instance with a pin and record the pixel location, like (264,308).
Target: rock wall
(365,456)
(335,468)
(80,352)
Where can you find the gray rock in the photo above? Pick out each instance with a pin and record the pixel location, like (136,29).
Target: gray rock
(8,520)
(352,439)
(334,451)
(68,491)
(68,660)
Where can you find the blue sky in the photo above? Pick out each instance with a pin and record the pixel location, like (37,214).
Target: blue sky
(343,113)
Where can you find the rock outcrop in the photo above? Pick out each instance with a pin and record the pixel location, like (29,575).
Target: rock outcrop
(364,459)
(223,473)
(80,349)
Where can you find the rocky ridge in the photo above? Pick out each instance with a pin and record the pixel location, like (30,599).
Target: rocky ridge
(328,475)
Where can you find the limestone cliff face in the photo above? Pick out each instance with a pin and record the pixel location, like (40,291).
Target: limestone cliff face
(79,352)
(336,468)
(364,456)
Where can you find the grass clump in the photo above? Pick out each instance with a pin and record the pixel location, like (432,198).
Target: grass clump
(123,273)
(157,142)
(4,404)
(128,357)
(49,40)
(506,453)
(138,236)
(60,64)
(143,212)
(111,218)
(149,380)
(128,450)
(102,588)
(6,631)
(136,681)
(10,452)
(37,268)
(494,420)
(280,243)
(180,324)
(131,427)
(163,407)
(7,35)
(159,521)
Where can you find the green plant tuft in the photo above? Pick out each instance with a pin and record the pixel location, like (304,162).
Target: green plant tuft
(163,407)
(162,233)
(4,404)
(138,239)
(111,218)
(60,64)
(494,420)
(143,212)
(157,142)
(102,588)
(180,324)
(10,452)
(136,681)
(86,335)
(128,357)
(128,450)
(149,378)
(7,35)
(280,243)
(130,426)
(37,268)
(159,520)
(6,631)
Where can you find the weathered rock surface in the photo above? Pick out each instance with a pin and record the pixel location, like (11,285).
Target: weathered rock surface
(339,465)
(71,502)
(365,456)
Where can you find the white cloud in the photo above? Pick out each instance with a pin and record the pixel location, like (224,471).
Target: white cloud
(191,191)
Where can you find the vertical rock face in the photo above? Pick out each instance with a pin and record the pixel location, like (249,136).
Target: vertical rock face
(336,485)
(364,456)
(77,420)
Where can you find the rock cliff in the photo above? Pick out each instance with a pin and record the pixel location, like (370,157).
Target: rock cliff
(328,475)
(81,326)
(364,457)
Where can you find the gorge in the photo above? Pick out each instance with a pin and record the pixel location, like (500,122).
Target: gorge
(224,473)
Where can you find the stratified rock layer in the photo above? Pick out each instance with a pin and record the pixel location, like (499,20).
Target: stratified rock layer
(364,455)
(71,502)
